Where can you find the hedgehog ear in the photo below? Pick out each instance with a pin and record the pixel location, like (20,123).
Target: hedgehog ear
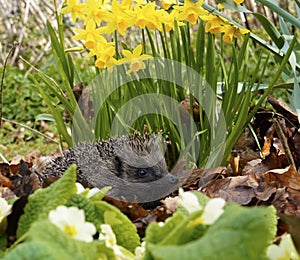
(119,166)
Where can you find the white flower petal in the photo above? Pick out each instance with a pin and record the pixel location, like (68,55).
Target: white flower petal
(5,209)
(108,235)
(92,192)
(72,221)
(285,249)
(140,251)
(79,187)
(189,201)
(213,210)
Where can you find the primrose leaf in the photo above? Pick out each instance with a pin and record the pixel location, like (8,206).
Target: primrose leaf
(43,200)
(239,233)
(46,241)
(79,201)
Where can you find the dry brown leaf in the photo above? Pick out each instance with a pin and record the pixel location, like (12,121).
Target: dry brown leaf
(287,177)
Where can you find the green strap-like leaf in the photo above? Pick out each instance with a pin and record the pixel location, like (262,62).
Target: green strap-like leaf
(270,29)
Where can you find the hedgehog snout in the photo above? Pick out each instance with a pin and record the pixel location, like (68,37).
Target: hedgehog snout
(173,179)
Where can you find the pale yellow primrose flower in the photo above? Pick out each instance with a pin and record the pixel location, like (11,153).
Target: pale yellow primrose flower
(5,209)
(72,222)
(109,237)
(81,189)
(211,212)
(140,251)
(189,201)
(285,250)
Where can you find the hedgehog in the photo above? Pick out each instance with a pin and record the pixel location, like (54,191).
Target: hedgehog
(134,167)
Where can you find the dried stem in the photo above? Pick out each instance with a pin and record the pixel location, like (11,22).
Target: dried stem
(284,142)
(2,79)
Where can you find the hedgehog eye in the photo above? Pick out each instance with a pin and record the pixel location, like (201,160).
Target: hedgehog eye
(142,172)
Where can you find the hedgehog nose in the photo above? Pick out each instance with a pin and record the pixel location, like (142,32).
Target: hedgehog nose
(173,179)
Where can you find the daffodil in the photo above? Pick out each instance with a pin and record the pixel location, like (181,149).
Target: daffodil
(97,11)
(190,11)
(166,4)
(104,52)
(214,24)
(285,249)
(147,16)
(231,32)
(121,19)
(91,34)
(72,222)
(76,9)
(135,59)
(238,2)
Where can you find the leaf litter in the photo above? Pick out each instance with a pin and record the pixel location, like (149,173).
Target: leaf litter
(266,176)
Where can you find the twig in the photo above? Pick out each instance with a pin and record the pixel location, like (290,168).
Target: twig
(2,79)
(284,142)
(31,129)
(21,35)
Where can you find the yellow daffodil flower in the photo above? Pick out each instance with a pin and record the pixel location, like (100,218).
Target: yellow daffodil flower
(97,11)
(75,9)
(238,2)
(214,24)
(91,34)
(190,11)
(135,59)
(166,4)
(121,19)
(104,52)
(231,32)
(146,16)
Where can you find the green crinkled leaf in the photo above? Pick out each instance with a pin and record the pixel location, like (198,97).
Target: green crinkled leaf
(3,244)
(100,195)
(240,233)
(79,201)
(156,233)
(35,250)
(46,241)
(180,228)
(43,200)
(125,231)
